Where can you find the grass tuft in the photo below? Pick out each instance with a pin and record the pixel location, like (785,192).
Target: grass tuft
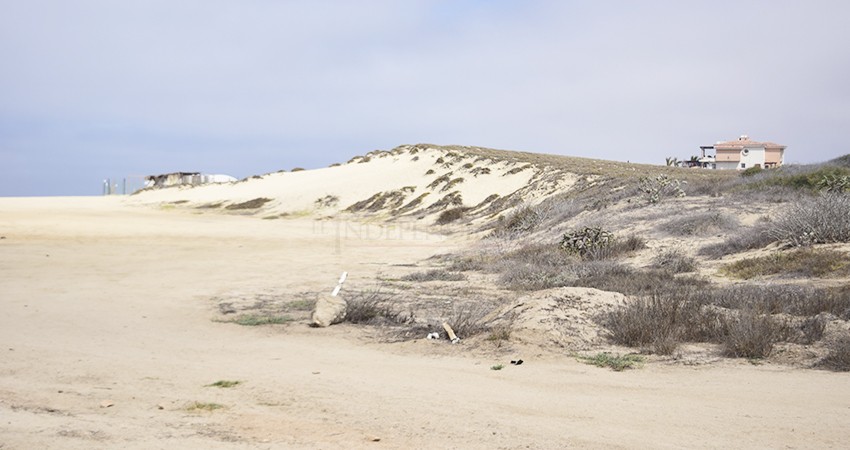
(803,263)
(434,275)
(224,384)
(616,362)
(253,320)
(202,406)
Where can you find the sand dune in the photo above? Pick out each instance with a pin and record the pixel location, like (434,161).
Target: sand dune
(414,181)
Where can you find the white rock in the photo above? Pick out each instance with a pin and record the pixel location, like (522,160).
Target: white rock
(328,311)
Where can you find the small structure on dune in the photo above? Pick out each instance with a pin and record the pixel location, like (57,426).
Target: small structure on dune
(185,178)
(739,154)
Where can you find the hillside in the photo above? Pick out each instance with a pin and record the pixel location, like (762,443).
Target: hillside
(412,181)
(729,248)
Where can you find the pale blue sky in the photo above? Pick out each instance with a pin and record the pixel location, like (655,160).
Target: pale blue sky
(102,88)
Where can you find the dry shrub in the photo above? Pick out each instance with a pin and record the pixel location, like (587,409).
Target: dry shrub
(250,204)
(451,215)
(434,275)
(521,221)
(841,161)
(810,329)
(838,358)
(706,187)
(699,224)
(533,278)
(615,277)
(752,335)
(618,248)
(545,255)
(802,263)
(813,301)
(674,261)
(655,321)
(560,209)
(743,240)
(468,321)
(661,321)
(822,220)
(802,301)
(375,307)
(467,263)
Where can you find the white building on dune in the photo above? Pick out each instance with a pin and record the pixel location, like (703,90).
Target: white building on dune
(741,154)
(185,178)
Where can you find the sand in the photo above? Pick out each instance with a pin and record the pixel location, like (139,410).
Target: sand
(428,174)
(108,339)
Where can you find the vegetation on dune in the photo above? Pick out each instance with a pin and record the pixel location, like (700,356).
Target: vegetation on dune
(625,228)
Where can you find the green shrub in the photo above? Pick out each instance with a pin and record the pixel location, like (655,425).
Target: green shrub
(615,362)
(253,320)
(807,178)
(750,171)
(834,183)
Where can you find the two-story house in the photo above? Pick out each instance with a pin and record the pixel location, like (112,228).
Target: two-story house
(744,153)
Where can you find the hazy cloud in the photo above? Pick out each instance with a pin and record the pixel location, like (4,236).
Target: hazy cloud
(92,89)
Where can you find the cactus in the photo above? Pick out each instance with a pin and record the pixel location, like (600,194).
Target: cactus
(586,240)
(655,189)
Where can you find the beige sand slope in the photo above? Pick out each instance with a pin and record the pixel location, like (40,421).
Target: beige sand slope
(105,303)
(409,181)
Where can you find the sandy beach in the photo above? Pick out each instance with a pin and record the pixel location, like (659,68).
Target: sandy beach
(108,340)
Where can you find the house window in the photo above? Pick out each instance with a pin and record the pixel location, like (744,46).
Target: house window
(743,165)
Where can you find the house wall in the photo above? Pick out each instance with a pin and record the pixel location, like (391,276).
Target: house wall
(728,155)
(751,156)
(727,165)
(774,156)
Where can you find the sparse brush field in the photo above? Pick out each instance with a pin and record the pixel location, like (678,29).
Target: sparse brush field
(749,265)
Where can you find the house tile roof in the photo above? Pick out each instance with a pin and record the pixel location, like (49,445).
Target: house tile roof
(745,141)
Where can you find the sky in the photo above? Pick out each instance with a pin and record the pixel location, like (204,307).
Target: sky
(96,89)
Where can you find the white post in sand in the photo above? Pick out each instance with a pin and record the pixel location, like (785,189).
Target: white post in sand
(339,284)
